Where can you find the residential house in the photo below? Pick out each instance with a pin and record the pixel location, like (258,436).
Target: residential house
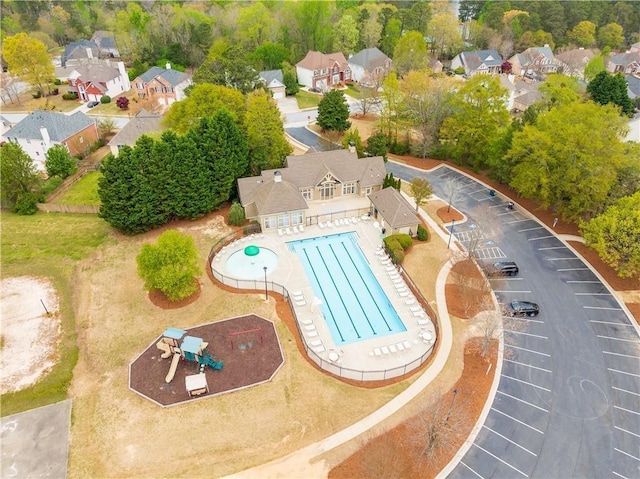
(394,212)
(627,63)
(164,85)
(525,94)
(534,60)
(281,198)
(92,81)
(42,129)
(76,53)
(322,71)
(435,65)
(5,124)
(633,86)
(478,62)
(274,81)
(106,44)
(143,123)
(573,62)
(507,82)
(369,66)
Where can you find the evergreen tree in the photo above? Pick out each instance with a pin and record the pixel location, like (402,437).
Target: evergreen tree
(378,145)
(333,111)
(607,88)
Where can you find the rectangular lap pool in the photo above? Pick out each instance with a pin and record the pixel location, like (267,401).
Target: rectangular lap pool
(354,305)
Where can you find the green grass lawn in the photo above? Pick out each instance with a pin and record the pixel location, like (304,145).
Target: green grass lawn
(82,192)
(353,92)
(49,245)
(307,100)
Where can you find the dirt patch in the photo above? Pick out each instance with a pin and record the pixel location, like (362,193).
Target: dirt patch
(29,334)
(447,215)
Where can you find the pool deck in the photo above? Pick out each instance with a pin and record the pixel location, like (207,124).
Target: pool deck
(387,353)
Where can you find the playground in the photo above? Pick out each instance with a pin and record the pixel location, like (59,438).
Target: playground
(231,354)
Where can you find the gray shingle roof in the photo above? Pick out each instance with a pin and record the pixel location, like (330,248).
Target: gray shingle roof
(104,39)
(369,58)
(396,211)
(97,72)
(141,124)
(173,77)
(59,126)
(79,50)
(633,86)
(474,59)
(269,75)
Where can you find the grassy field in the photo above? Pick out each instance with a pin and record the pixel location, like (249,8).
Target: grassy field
(306,99)
(49,245)
(82,192)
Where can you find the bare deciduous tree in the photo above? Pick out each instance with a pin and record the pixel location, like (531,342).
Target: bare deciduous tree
(386,458)
(451,189)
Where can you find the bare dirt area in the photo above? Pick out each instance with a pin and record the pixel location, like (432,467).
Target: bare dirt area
(30,333)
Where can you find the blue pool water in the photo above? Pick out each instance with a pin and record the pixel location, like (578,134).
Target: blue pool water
(354,305)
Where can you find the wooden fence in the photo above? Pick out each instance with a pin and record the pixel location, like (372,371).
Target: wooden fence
(56,208)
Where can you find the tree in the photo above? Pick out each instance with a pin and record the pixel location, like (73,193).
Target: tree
(228,66)
(236,214)
(444,32)
(534,39)
(559,89)
(333,111)
(290,79)
(583,34)
(610,36)
(204,100)
(59,163)
(27,58)
(265,133)
(569,158)
(391,34)
(615,235)
(595,66)
(346,36)
(378,145)
(171,266)
(606,88)
(480,114)
(122,103)
(421,191)
(105,126)
(18,175)
(353,137)
(410,53)
(270,56)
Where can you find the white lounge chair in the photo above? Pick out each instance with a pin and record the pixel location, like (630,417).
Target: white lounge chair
(321,225)
(316,342)
(392,348)
(400,347)
(295,230)
(354,219)
(385,350)
(406,344)
(423,322)
(419,314)
(301,228)
(312,334)
(330,224)
(288,231)
(310,327)
(319,349)
(300,302)
(280,232)
(410,301)
(296,294)
(404,294)
(306,321)
(377,351)
(415,308)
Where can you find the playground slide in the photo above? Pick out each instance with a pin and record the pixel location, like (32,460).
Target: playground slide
(172,369)
(164,347)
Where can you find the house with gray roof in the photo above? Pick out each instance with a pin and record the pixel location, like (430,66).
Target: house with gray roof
(94,80)
(573,62)
(369,66)
(281,198)
(478,62)
(42,129)
(534,60)
(394,212)
(79,52)
(162,85)
(274,81)
(106,44)
(628,63)
(633,85)
(143,123)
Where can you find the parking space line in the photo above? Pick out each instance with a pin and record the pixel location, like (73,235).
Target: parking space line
(593,294)
(512,442)
(625,391)
(525,334)
(540,238)
(503,462)
(462,462)
(509,291)
(619,475)
(627,410)
(552,247)
(507,213)
(620,354)
(522,400)
(516,221)
(610,322)
(517,420)
(626,454)
(505,279)
(561,259)
(602,307)
(527,365)
(531,229)
(528,350)
(529,320)
(578,281)
(525,382)
(573,269)
(618,339)
(624,430)
(623,372)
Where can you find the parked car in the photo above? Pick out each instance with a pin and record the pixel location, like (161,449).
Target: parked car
(503,268)
(91,104)
(522,308)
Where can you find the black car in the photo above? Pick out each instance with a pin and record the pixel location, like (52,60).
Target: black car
(91,104)
(522,308)
(504,268)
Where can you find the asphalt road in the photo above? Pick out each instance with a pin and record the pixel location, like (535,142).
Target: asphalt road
(568,400)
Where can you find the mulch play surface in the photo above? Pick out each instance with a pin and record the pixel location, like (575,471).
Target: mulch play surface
(251,361)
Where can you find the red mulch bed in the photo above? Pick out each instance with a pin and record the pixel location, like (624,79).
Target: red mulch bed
(253,363)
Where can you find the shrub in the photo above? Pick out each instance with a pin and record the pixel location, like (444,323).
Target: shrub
(397,256)
(26,204)
(236,215)
(122,103)
(459,71)
(105,99)
(423,233)
(70,96)
(57,81)
(37,94)
(404,239)
(50,184)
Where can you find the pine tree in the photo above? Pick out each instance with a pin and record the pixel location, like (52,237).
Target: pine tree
(333,111)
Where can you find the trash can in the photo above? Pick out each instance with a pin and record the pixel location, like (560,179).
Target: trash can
(492,192)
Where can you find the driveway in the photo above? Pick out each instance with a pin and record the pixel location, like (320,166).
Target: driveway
(567,403)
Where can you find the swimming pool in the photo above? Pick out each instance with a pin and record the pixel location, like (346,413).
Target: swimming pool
(354,305)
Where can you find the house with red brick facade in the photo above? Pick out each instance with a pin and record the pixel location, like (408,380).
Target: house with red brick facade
(322,71)
(94,80)
(162,85)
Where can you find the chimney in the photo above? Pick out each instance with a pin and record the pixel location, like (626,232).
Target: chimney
(352,147)
(168,66)
(45,137)
(124,76)
(277,177)
(89,52)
